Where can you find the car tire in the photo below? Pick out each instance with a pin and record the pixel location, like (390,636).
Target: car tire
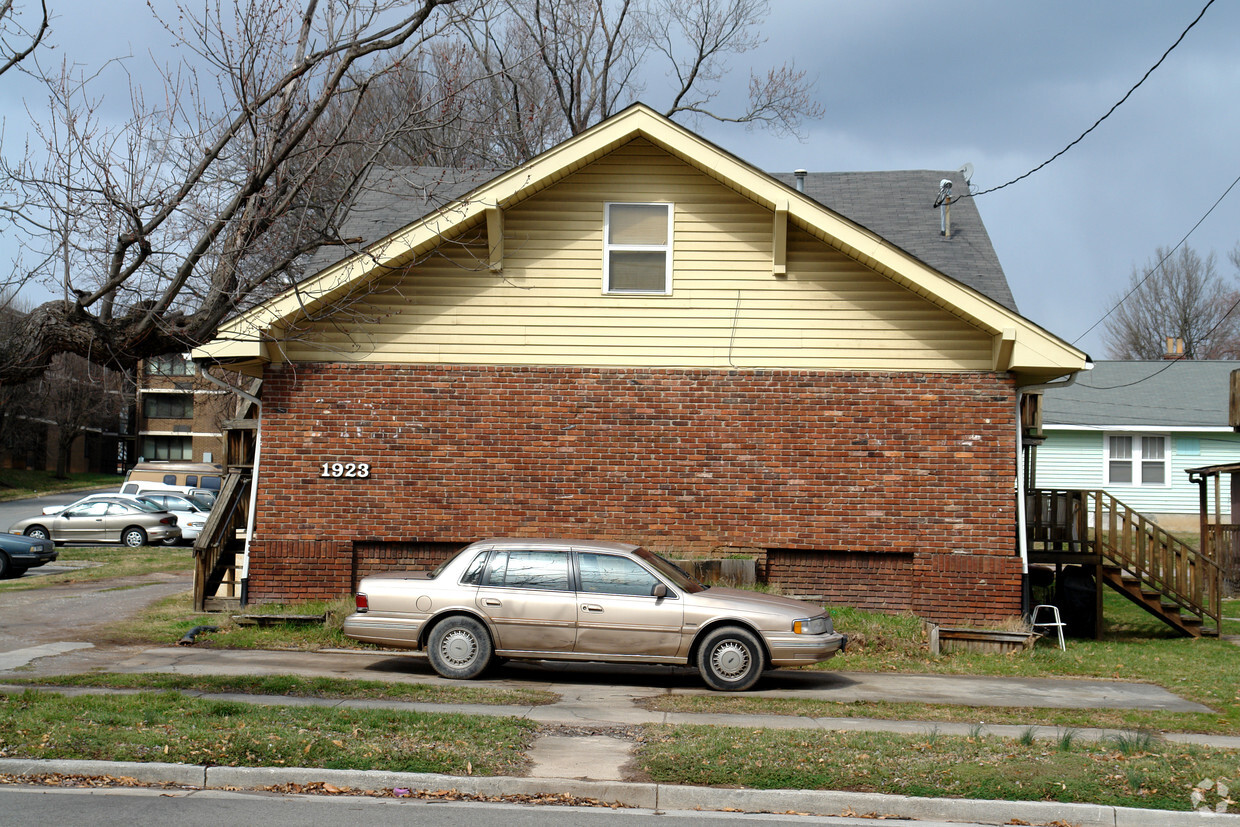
(134,537)
(38,532)
(459,648)
(730,659)
(6,567)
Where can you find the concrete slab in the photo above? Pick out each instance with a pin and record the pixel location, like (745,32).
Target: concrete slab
(586,758)
(972,690)
(18,658)
(613,688)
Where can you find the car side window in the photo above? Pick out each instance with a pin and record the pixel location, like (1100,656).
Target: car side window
(528,570)
(89,510)
(609,574)
(473,574)
(170,479)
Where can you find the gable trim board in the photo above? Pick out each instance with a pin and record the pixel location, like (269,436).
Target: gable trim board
(1018,345)
(879,426)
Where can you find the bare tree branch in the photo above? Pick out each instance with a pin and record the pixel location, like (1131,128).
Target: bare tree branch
(28,41)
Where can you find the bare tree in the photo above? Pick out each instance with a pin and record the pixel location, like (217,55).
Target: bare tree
(79,397)
(563,65)
(17,39)
(251,151)
(1178,295)
(156,231)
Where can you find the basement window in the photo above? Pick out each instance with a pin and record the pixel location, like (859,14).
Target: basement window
(1136,459)
(637,249)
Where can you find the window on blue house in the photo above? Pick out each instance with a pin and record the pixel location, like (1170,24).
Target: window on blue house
(1136,459)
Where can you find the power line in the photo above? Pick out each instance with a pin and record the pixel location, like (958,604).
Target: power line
(1160,263)
(1104,117)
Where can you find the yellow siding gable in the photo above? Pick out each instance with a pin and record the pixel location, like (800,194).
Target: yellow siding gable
(544,303)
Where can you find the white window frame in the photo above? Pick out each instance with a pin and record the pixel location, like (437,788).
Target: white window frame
(666,249)
(1137,459)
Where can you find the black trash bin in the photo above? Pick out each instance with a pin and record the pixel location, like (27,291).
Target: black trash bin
(1076,597)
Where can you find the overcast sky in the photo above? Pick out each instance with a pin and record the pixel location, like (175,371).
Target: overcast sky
(932,84)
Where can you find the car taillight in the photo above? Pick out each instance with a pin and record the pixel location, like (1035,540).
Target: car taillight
(168,521)
(362,603)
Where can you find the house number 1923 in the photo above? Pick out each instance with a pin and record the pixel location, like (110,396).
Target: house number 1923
(351,470)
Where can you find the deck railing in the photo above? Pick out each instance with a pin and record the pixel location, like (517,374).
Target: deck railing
(1224,540)
(1070,520)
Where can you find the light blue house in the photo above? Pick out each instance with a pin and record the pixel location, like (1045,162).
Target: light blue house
(1133,428)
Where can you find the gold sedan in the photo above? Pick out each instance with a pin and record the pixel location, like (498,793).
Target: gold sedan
(586,601)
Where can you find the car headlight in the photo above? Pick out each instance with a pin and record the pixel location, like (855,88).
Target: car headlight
(820,625)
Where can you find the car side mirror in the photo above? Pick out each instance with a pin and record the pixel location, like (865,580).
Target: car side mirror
(659,590)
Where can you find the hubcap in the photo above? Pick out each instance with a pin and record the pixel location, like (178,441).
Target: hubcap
(730,660)
(458,647)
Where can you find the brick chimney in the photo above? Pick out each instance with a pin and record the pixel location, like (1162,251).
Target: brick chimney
(1175,349)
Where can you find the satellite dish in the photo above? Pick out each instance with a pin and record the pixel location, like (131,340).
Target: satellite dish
(966,172)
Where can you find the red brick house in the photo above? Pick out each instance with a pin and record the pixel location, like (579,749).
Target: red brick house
(637,336)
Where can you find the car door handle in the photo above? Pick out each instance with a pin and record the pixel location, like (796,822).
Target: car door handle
(491,601)
(591,607)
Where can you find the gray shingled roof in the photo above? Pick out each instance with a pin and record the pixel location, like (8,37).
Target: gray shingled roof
(394,197)
(1163,394)
(897,205)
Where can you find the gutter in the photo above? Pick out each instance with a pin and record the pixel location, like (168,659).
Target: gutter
(1022,534)
(258,451)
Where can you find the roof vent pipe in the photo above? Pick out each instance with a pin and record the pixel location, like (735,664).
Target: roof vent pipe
(800,174)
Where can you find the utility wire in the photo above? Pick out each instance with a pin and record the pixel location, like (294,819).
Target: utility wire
(1171,362)
(1104,117)
(1160,263)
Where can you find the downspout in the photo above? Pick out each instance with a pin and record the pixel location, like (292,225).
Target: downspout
(258,450)
(1022,534)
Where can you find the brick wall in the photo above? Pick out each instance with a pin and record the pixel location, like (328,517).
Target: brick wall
(883,480)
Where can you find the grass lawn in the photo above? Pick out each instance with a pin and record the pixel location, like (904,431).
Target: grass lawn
(1132,772)
(299,687)
(106,562)
(166,726)
(1136,648)
(18,485)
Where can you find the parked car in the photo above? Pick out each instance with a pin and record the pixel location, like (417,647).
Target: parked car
(107,520)
(191,513)
(17,554)
(586,601)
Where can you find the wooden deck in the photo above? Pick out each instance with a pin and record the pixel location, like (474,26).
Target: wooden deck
(1128,552)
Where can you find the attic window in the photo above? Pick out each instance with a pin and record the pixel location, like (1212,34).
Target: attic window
(637,249)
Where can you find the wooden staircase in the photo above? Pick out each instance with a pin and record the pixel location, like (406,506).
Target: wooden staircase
(217,581)
(1130,553)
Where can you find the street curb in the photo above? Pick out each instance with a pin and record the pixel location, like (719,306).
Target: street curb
(658,797)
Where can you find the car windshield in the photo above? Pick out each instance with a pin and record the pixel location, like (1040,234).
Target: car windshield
(679,577)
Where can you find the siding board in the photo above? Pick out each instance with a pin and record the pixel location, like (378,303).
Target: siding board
(726,309)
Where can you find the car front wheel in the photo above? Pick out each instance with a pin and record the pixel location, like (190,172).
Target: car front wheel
(38,532)
(730,659)
(133,537)
(460,648)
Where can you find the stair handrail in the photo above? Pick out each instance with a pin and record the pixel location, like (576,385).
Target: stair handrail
(1188,577)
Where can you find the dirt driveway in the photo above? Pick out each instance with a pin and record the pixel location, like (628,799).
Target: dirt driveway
(36,626)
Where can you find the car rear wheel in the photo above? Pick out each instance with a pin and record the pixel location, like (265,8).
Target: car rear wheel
(730,659)
(6,567)
(38,532)
(459,647)
(133,537)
